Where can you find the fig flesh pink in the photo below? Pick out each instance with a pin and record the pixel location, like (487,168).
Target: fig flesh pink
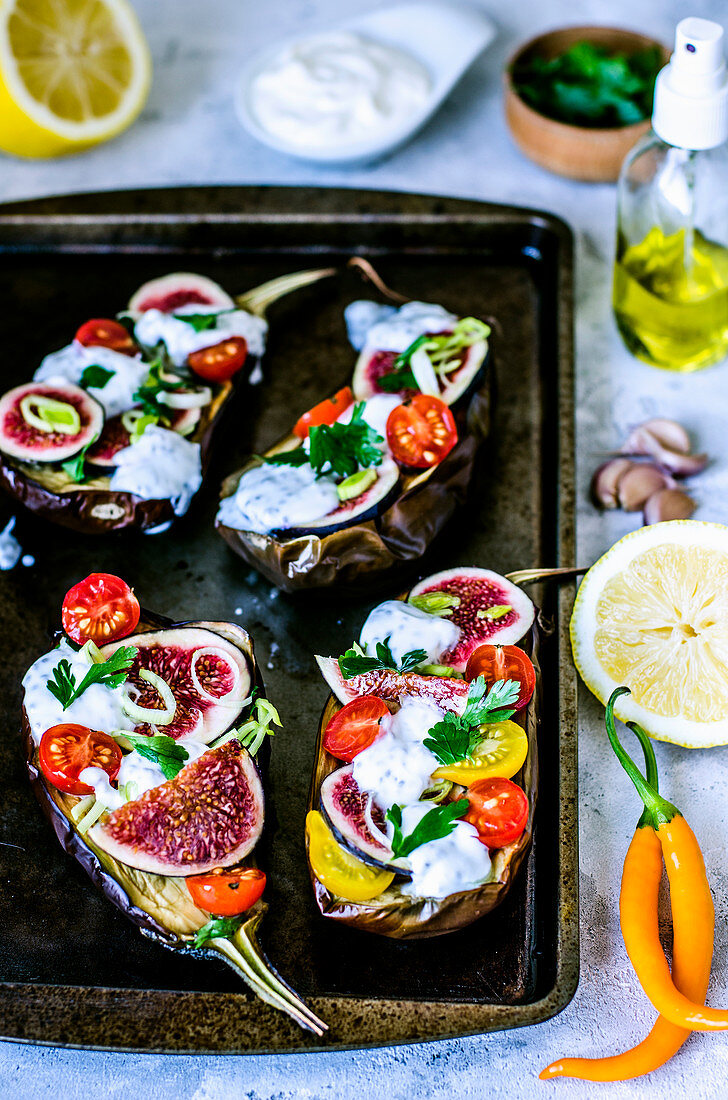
(23,440)
(479,591)
(373,364)
(223,674)
(210,815)
(180,288)
(343,805)
(392,686)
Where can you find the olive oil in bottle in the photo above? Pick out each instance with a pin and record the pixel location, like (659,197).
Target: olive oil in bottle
(670,292)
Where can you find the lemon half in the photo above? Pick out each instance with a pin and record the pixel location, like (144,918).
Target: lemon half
(652,614)
(72,73)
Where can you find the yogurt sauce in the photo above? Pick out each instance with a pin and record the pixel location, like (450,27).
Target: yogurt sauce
(137,770)
(335,89)
(446,866)
(68,365)
(10,549)
(269,497)
(385,329)
(161,464)
(397,767)
(408,628)
(180,338)
(99,707)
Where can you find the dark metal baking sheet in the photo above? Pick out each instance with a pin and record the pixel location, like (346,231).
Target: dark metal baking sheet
(72,970)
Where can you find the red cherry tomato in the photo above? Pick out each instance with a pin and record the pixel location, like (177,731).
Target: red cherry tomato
(355,727)
(227,893)
(421,432)
(104,333)
(503,662)
(326,412)
(498,810)
(102,608)
(221,361)
(67,749)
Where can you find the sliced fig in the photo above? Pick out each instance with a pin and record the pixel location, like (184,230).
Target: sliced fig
(490,609)
(344,806)
(180,288)
(210,815)
(392,686)
(186,657)
(24,440)
(367,505)
(373,364)
(113,438)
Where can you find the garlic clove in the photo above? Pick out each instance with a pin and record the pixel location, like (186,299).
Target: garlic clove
(667,433)
(605,482)
(641,482)
(668,504)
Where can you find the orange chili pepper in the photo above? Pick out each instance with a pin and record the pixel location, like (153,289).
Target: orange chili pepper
(693,931)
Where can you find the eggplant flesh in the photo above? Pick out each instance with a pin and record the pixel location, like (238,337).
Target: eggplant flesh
(400,916)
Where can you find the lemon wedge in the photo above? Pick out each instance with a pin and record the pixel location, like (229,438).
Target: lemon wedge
(72,73)
(652,614)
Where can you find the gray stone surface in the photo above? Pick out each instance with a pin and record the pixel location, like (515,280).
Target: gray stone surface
(188,133)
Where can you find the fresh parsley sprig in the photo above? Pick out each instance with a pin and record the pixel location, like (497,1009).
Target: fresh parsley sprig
(218,928)
(75,468)
(160,749)
(202,322)
(340,449)
(434,825)
(111,672)
(95,377)
(457,736)
(355,661)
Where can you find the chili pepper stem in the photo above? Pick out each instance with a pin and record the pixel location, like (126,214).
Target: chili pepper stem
(657,809)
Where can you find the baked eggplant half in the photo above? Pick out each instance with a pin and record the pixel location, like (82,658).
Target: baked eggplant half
(115,429)
(368,478)
(424,786)
(146,753)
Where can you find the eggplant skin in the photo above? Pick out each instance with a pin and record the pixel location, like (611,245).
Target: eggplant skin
(401,917)
(93,509)
(55,806)
(357,557)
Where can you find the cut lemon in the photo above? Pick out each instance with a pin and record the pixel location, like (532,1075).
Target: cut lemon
(653,614)
(72,73)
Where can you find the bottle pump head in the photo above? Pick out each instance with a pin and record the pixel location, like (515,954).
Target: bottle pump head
(691,92)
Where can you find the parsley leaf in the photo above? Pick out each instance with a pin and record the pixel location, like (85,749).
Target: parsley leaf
(95,377)
(201,322)
(75,468)
(457,736)
(343,448)
(296,457)
(398,379)
(160,749)
(111,672)
(354,662)
(436,824)
(218,928)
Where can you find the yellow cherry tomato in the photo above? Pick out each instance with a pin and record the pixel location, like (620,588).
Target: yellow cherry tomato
(341,873)
(501,753)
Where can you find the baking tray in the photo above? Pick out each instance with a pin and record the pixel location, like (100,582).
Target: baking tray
(73,971)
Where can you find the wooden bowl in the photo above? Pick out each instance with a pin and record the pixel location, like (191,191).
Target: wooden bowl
(579,152)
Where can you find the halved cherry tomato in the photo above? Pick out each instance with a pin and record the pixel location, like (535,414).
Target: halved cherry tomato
(101,608)
(326,412)
(101,332)
(67,749)
(501,753)
(421,432)
(355,727)
(339,871)
(221,361)
(227,893)
(503,662)
(499,811)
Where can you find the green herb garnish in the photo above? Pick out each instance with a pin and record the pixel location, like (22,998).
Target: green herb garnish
(457,736)
(355,661)
(253,732)
(435,603)
(160,749)
(111,672)
(589,86)
(436,824)
(295,457)
(95,377)
(444,351)
(202,322)
(340,449)
(148,393)
(75,468)
(218,928)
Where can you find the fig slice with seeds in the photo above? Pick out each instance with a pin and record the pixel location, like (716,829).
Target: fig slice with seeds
(392,686)
(344,808)
(180,288)
(48,422)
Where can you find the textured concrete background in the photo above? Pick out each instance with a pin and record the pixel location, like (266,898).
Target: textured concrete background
(188,134)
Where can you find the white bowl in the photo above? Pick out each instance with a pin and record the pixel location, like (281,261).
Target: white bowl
(446,38)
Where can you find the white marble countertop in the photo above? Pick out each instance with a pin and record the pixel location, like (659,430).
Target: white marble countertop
(188,134)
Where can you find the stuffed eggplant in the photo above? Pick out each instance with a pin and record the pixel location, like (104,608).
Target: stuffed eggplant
(369,477)
(424,787)
(115,429)
(144,741)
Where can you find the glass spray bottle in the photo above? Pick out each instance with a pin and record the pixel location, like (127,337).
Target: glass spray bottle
(671,273)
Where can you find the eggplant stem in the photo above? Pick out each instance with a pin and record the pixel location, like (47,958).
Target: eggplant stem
(370,273)
(261,297)
(244,955)
(529,576)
